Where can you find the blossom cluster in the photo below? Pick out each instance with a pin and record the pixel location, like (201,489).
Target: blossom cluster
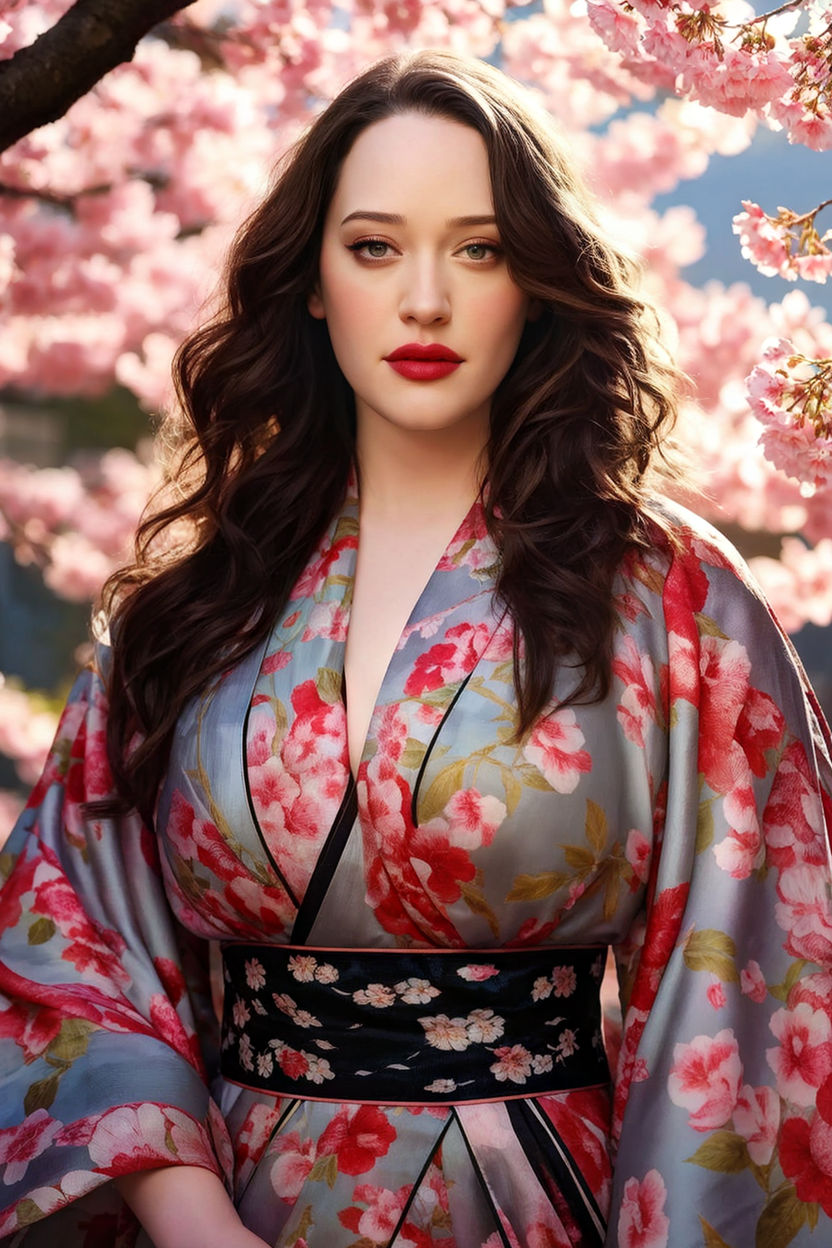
(76,522)
(113,221)
(726,57)
(787,245)
(791,395)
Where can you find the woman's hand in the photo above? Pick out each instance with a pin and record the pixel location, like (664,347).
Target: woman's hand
(186,1207)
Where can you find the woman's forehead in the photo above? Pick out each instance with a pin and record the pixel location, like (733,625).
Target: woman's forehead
(411,162)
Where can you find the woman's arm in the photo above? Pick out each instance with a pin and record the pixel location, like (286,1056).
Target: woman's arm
(186,1207)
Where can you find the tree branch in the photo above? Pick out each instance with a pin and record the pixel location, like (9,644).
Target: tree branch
(39,83)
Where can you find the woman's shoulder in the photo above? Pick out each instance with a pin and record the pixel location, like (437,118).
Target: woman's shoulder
(691,556)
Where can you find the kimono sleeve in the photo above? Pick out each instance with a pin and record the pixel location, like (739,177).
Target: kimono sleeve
(101,1069)
(723,1108)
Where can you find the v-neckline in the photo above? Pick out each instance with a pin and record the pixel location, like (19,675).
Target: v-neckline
(412,619)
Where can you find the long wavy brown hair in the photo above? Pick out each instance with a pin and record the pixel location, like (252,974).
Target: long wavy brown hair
(270,423)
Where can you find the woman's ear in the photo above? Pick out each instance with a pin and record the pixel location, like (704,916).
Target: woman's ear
(315,304)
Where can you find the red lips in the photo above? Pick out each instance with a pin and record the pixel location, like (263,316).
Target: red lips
(431,351)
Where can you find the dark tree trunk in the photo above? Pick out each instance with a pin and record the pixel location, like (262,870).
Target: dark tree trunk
(39,83)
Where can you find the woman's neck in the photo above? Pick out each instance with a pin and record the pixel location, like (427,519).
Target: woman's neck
(431,473)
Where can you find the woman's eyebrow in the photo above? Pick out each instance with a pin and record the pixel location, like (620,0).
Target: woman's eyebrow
(392,218)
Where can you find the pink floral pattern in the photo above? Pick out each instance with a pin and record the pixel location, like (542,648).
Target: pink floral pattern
(684,820)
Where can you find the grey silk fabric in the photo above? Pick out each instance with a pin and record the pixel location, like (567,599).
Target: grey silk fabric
(681,821)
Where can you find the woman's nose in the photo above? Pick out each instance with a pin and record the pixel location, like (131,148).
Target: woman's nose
(425,297)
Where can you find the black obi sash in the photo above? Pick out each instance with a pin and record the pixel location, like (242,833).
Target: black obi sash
(421,1026)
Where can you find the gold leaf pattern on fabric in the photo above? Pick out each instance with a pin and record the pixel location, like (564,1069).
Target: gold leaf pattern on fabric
(537,887)
(714,951)
(724,1151)
(781,1219)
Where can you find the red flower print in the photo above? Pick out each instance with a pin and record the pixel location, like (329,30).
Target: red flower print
(637,708)
(514,1063)
(129,1137)
(391,733)
(171,1029)
(290,1169)
(724,667)
(312,578)
(327,619)
(473,819)
(357,1138)
(741,851)
(448,866)
(752,982)
(756,1118)
(477,972)
(199,839)
(803,911)
(293,1064)
(429,670)
(715,993)
(171,978)
(276,662)
(793,822)
(384,1208)
(638,851)
(255,1132)
(55,897)
(33,1028)
(815,990)
(685,590)
(824,1100)
(471,545)
(554,747)
(806,1158)
(23,1143)
(262,728)
(705,1079)
(682,669)
(759,728)
(663,927)
(448,660)
(582,1121)
(642,1222)
(803,1059)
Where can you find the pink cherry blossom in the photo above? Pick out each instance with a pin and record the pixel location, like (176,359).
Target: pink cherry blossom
(752,982)
(514,1064)
(756,1119)
(554,747)
(715,993)
(803,912)
(642,1221)
(477,972)
(803,1058)
(705,1079)
(742,850)
(21,1144)
(383,1212)
(290,1169)
(638,851)
(473,818)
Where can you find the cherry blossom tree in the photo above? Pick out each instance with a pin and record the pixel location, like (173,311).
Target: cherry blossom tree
(115,214)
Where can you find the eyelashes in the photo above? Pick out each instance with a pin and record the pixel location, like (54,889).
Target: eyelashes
(358,247)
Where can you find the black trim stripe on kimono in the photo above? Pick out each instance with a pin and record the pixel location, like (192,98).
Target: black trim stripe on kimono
(325,867)
(556,1168)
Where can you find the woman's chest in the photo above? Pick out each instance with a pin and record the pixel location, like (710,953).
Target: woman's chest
(453,831)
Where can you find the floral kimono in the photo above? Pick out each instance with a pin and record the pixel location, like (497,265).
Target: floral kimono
(410,1050)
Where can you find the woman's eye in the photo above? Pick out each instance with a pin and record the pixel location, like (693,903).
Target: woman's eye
(375,248)
(378,249)
(485,250)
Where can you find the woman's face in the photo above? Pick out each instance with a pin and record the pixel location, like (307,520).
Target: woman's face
(411,255)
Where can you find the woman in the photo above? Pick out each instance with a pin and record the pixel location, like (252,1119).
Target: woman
(416,784)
